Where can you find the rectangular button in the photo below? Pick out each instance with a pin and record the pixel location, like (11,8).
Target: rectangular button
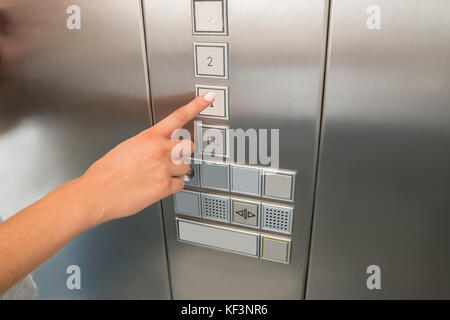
(215,207)
(214,175)
(222,238)
(275,248)
(187,203)
(219,108)
(211,60)
(276,218)
(245,180)
(245,212)
(209,17)
(278,184)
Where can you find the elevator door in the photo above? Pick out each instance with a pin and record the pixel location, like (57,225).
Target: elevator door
(264,59)
(384,178)
(71,88)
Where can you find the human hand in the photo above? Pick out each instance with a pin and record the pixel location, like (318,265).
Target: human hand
(139,171)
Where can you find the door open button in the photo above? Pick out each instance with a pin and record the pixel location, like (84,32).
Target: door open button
(245,213)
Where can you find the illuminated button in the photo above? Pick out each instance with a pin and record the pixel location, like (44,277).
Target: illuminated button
(275,248)
(209,17)
(219,108)
(211,60)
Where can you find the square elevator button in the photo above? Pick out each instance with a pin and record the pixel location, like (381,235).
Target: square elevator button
(219,108)
(211,60)
(187,203)
(275,249)
(245,180)
(278,185)
(215,176)
(209,17)
(245,213)
(213,140)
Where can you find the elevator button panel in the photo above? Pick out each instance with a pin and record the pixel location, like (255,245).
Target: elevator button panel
(211,60)
(278,184)
(245,212)
(187,203)
(245,180)
(219,108)
(209,17)
(275,248)
(240,211)
(217,237)
(215,207)
(215,175)
(276,218)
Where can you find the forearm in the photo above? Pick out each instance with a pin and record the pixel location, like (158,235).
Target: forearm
(37,232)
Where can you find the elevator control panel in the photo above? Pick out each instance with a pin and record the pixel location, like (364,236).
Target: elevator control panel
(238,208)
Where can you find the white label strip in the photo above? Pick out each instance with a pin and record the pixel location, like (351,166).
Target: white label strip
(222,238)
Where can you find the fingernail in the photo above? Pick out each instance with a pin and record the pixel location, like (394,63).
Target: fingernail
(209,96)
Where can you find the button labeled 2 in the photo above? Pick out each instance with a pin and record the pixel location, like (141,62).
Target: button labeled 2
(211,60)
(219,108)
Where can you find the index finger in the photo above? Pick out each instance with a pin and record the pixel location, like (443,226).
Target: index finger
(183,115)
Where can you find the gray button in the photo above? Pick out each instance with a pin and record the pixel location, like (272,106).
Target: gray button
(245,213)
(211,60)
(275,249)
(215,176)
(245,180)
(187,203)
(214,140)
(215,207)
(209,17)
(279,185)
(219,108)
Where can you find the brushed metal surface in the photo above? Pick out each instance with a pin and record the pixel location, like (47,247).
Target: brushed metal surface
(384,176)
(66,98)
(276,62)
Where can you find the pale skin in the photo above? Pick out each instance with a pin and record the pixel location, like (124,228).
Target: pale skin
(135,174)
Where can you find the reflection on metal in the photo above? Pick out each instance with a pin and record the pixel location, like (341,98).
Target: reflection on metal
(66,97)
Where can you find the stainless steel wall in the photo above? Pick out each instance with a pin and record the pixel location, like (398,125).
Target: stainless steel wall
(384,178)
(67,97)
(276,60)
